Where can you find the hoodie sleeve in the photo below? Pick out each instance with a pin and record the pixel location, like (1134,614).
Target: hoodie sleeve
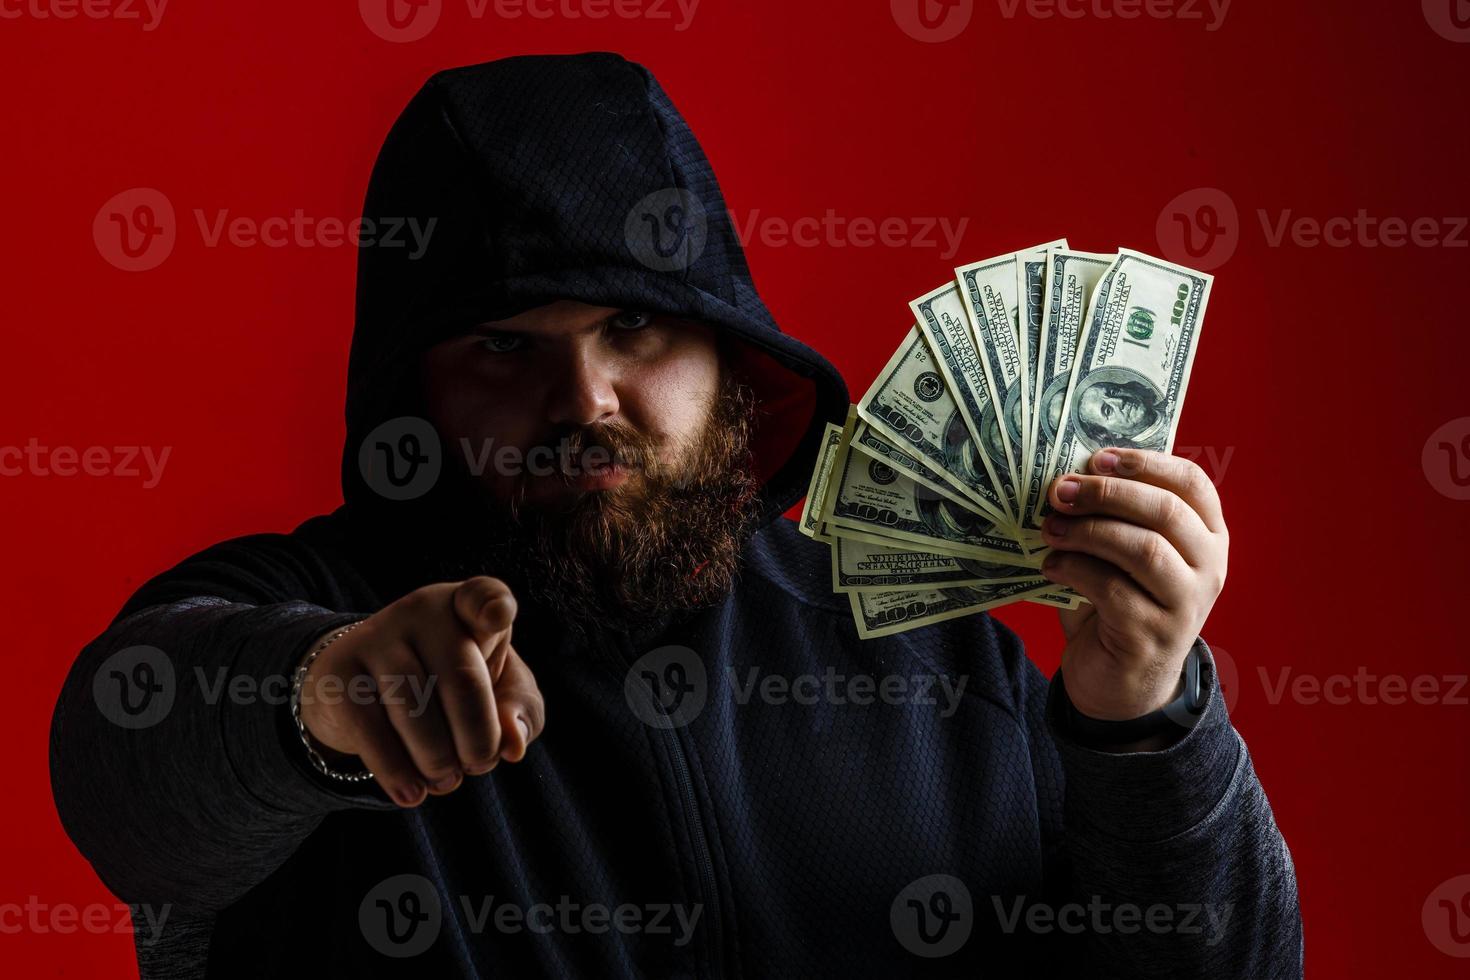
(1171,860)
(174,760)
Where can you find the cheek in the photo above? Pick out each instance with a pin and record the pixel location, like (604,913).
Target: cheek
(464,407)
(673,397)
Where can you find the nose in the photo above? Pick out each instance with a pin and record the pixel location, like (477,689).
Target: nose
(582,389)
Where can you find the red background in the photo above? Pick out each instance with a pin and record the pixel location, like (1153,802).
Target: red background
(1322,370)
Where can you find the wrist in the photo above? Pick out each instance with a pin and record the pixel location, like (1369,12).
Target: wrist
(337,765)
(1151,731)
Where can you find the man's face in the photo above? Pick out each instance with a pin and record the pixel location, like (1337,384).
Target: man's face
(1114,409)
(529,382)
(609,457)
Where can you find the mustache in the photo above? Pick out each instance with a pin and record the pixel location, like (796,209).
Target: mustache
(566,454)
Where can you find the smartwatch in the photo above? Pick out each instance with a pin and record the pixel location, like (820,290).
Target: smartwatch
(1179,715)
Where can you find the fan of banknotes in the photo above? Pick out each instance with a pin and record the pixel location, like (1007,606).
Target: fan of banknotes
(1014,372)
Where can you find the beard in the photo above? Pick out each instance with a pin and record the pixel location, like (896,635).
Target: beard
(668,539)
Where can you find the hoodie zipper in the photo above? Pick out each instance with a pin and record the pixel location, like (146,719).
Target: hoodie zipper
(703,858)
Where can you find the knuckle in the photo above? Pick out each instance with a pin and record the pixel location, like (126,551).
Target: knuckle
(1196,481)
(441,763)
(1132,462)
(1116,591)
(395,665)
(1170,510)
(1155,553)
(417,602)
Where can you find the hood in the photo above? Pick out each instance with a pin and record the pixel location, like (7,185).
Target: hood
(552,177)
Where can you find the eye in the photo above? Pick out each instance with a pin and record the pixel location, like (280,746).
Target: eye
(631,320)
(501,343)
(1107,411)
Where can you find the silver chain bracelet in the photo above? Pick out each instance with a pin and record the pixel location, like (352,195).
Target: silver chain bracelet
(317,761)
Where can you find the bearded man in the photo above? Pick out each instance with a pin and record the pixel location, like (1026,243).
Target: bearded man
(516,708)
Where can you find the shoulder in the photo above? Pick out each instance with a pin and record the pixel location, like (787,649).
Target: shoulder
(307,564)
(796,564)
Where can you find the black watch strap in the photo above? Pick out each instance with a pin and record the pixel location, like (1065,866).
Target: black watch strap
(1181,714)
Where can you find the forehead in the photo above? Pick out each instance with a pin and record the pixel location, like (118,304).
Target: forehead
(561,315)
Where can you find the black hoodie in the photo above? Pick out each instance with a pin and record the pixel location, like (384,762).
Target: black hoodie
(921,815)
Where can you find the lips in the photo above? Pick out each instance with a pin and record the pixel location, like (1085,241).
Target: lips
(600,476)
(594,467)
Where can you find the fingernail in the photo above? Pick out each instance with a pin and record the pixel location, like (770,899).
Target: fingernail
(525,727)
(1057,527)
(446,784)
(1049,566)
(1068,490)
(1105,461)
(407,795)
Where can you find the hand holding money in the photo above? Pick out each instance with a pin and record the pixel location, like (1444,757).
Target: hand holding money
(1141,536)
(1013,376)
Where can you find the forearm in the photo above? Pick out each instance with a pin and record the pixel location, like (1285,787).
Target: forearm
(1184,835)
(197,803)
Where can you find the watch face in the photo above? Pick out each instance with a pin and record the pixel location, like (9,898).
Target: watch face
(1186,709)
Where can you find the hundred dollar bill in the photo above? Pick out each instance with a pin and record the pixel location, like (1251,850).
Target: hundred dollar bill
(909,405)
(866,496)
(1059,600)
(1031,300)
(1133,361)
(946,327)
(991,303)
(867,441)
(886,613)
(811,509)
(859,566)
(1071,278)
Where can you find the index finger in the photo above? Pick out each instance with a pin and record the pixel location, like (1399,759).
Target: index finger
(1171,473)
